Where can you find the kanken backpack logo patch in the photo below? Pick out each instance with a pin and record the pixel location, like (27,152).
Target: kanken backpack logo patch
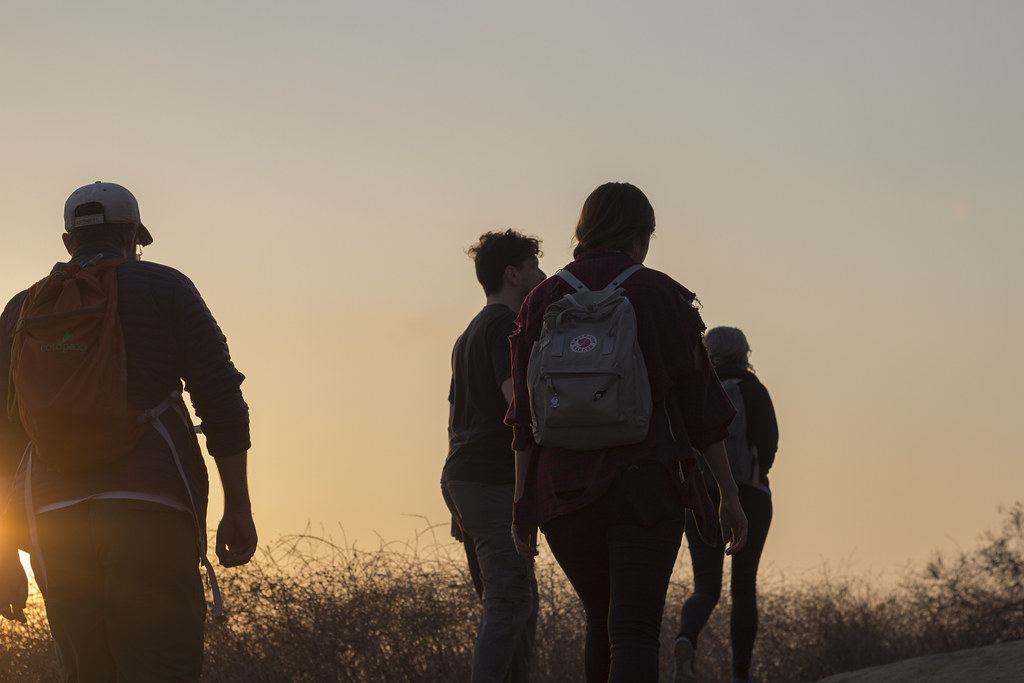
(69,371)
(583,343)
(588,381)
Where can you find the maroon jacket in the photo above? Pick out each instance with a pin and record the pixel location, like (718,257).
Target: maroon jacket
(691,409)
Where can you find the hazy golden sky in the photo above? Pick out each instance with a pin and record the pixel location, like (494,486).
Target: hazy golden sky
(841,180)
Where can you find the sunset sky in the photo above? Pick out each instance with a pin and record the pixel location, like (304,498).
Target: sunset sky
(841,180)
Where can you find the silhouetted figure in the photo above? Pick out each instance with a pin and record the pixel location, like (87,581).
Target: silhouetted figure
(117,534)
(479,473)
(753,440)
(614,516)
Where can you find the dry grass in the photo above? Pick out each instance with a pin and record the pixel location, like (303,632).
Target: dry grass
(309,609)
(837,622)
(26,650)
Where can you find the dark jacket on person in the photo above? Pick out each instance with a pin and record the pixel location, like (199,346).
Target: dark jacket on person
(169,336)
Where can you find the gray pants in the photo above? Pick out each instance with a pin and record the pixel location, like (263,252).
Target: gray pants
(509,623)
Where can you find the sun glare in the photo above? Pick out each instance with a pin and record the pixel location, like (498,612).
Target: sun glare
(25,562)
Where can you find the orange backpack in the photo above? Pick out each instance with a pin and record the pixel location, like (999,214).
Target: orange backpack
(69,371)
(69,377)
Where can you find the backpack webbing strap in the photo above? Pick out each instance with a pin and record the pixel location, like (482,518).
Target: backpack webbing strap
(623,276)
(154,415)
(576,284)
(170,402)
(612,288)
(158,425)
(573,281)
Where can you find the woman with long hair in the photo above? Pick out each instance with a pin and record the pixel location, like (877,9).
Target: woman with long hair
(752,442)
(614,516)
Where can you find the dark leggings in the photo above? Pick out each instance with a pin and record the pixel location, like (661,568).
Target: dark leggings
(707,579)
(618,553)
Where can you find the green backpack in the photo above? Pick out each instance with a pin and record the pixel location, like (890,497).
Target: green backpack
(588,381)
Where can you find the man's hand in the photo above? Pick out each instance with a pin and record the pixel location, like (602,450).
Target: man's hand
(236,538)
(525,538)
(734,523)
(13,586)
(236,533)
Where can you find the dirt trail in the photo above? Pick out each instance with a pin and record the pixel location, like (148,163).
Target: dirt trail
(1002,663)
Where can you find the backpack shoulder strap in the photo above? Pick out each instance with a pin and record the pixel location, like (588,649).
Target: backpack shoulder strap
(623,276)
(573,281)
(173,404)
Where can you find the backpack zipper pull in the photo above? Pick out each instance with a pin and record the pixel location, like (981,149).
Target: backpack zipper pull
(551,389)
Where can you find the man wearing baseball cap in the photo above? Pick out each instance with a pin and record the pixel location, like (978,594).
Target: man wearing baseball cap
(104,203)
(116,545)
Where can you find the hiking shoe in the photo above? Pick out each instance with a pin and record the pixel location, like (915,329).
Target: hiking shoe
(684,670)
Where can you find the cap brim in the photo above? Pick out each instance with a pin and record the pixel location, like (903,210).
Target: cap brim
(143,237)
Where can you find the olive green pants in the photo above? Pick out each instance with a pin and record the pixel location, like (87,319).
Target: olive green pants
(123,592)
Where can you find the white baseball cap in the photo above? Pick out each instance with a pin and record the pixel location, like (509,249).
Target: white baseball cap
(119,206)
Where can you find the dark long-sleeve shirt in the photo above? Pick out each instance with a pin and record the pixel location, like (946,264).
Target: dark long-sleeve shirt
(170,336)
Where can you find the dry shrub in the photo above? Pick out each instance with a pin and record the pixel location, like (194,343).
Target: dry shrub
(809,627)
(308,609)
(833,622)
(829,624)
(26,650)
(973,598)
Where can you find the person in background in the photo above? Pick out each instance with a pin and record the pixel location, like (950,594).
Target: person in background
(753,440)
(116,545)
(478,477)
(613,517)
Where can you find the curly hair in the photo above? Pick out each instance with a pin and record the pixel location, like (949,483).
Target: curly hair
(495,251)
